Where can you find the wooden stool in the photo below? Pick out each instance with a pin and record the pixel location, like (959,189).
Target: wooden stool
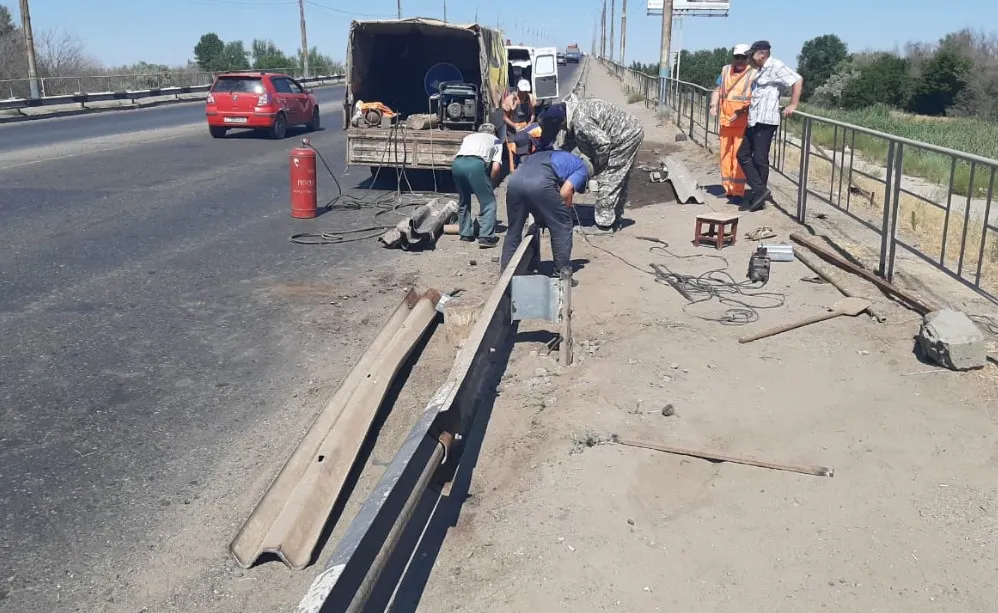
(722,229)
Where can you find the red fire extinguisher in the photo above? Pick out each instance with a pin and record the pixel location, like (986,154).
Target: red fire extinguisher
(303,186)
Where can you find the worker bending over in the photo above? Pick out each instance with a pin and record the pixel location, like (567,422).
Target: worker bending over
(610,137)
(731,101)
(475,168)
(544,186)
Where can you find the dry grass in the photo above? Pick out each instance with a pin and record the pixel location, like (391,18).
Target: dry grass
(919,224)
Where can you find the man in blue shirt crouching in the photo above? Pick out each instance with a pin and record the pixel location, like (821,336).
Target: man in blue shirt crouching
(543,185)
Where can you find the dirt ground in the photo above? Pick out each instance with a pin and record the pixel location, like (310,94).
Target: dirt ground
(558,517)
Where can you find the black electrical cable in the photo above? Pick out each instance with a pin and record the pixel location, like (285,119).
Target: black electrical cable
(743,298)
(381,204)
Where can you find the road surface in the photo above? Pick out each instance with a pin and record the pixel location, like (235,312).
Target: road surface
(154,330)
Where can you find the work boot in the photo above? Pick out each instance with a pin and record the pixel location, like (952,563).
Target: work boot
(488,243)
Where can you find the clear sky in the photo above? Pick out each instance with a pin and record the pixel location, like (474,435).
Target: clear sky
(165,31)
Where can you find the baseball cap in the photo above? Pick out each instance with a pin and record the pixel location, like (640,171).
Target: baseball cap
(760,45)
(523,85)
(553,116)
(741,49)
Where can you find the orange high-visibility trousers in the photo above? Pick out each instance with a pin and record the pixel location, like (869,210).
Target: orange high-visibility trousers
(732,177)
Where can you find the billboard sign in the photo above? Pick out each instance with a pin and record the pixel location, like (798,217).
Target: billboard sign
(691,7)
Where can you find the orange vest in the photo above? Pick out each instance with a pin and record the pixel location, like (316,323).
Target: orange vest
(736,96)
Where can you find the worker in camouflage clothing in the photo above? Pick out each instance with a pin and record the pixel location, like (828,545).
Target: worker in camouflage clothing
(610,137)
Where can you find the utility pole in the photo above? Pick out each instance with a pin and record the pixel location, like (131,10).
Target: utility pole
(398,7)
(663,67)
(445,11)
(304,39)
(29,50)
(623,31)
(602,33)
(613,13)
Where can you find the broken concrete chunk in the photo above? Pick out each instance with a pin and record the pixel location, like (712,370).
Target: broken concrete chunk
(949,338)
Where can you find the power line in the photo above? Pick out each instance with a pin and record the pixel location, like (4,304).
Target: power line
(343,12)
(241,3)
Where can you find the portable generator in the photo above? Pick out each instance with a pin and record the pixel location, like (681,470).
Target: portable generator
(457,105)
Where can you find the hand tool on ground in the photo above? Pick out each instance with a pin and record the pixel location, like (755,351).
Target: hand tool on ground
(847,306)
(715,456)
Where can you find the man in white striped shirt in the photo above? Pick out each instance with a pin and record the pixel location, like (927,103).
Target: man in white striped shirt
(772,78)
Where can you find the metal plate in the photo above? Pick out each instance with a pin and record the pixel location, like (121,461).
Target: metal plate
(536,297)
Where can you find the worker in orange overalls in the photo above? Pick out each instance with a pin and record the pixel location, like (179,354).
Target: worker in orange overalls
(518,112)
(731,100)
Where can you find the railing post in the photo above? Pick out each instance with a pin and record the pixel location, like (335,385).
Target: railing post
(691,113)
(885,229)
(706,119)
(804,170)
(895,209)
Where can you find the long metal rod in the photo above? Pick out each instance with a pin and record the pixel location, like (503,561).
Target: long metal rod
(367,586)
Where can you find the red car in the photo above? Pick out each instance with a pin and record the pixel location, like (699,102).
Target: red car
(259,100)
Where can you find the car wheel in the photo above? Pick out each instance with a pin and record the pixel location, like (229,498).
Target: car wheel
(217,131)
(313,125)
(280,128)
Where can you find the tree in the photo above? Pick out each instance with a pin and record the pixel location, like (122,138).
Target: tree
(7,26)
(702,67)
(234,56)
(320,64)
(266,56)
(209,52)
(879,78)
(818,59)
(943,79)
(62,54)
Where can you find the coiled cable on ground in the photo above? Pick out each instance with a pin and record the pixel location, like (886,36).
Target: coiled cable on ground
(744,299)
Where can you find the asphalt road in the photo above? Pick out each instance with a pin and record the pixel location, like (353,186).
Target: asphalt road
(40,132)
(140,336)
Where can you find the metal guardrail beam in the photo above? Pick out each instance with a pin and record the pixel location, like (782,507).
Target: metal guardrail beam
(83,98)
(354,569)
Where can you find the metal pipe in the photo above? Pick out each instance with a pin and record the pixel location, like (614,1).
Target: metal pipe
(366,588)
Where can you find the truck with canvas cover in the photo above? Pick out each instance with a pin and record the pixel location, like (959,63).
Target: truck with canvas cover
(417,87)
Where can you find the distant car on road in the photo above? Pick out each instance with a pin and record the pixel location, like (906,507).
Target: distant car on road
(268,101)
(562,60)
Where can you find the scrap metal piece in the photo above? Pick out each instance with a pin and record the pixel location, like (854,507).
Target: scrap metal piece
(536,297)
(423,227)
(357,560)
(688,191)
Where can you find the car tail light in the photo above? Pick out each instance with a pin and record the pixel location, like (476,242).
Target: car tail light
(263,100)
(211,99)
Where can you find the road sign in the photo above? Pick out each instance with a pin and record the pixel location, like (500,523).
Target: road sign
(703,8)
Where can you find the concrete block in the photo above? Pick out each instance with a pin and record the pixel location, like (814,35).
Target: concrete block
(949,338)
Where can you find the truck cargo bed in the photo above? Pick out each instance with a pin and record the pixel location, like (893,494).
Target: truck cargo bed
(423,149)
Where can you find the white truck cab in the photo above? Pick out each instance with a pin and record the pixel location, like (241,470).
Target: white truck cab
(537,65)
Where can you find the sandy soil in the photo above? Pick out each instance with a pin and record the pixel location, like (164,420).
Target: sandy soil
(558,517)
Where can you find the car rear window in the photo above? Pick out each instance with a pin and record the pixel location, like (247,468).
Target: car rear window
(239,85)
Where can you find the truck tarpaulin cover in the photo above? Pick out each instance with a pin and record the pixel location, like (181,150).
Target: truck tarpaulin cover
(387,60)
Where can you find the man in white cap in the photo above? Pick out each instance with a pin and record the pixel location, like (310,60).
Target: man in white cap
(731,100)
(518,113)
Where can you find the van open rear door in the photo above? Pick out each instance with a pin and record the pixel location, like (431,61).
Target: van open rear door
(546,73)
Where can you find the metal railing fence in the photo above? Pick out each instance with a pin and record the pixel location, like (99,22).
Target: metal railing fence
(92,84)
(877,179)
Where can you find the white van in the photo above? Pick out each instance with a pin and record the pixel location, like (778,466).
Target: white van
(537,65)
